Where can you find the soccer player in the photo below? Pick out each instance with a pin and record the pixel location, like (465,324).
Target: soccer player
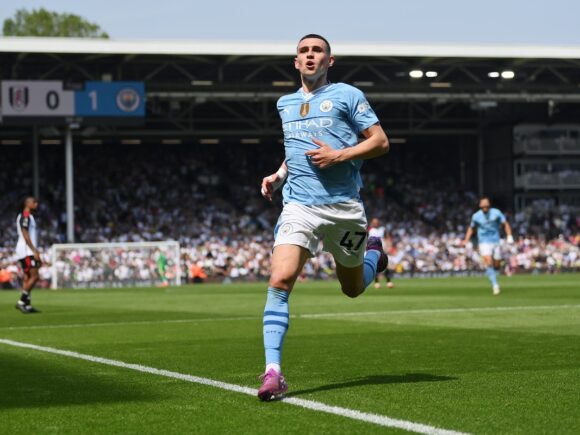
(377,230)
(321,122)
(162,269)
(27,253)
(488,222)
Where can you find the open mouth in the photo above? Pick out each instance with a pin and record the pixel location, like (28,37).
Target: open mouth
(310,65)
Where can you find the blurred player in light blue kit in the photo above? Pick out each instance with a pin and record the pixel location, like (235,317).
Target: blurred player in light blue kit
(322,122)
(488,222)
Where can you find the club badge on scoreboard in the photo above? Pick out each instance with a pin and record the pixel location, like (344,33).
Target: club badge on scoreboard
(128,100)
(18,97)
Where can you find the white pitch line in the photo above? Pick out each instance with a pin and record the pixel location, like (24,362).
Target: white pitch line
(441,310)
(294,316)
(308,404)
(130,323)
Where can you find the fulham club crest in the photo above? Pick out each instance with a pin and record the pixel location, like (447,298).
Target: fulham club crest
(18,97)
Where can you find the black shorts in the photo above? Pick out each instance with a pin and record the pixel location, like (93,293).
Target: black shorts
(28,263)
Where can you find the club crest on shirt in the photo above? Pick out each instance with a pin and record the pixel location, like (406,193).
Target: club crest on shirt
(304,109)
(326,106)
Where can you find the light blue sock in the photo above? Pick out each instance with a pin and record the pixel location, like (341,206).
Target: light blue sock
(370,266)
(275,324)
(490,271)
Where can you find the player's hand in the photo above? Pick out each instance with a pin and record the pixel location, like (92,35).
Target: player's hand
(324,156)
(510,239)
(463,243)
(268,186)
(36,255)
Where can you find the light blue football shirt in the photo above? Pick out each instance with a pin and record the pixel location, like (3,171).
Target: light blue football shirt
(335,114)
(488,225)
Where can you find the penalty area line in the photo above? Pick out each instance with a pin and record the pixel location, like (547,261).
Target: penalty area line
(353,414)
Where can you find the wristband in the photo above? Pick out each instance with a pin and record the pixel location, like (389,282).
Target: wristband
(282,173)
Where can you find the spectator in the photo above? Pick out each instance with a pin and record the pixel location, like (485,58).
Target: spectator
(212,206)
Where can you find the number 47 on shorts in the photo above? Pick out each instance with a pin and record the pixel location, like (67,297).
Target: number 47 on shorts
(353,240)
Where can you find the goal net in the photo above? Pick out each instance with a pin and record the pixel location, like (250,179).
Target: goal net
(101,265)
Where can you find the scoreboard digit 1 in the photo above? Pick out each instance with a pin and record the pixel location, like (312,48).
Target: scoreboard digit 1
(110,99)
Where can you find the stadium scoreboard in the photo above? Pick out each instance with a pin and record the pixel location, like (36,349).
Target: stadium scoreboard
(51,102)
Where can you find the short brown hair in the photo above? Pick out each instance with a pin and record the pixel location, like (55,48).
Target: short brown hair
(314,35)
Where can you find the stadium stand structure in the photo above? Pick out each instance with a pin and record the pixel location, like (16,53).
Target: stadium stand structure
(454,114)
(187,194)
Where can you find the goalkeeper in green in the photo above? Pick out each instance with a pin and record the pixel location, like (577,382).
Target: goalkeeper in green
(162,269)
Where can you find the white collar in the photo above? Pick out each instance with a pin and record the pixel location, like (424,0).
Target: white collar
(308,95)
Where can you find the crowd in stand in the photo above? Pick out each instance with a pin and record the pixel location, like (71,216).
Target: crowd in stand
(210,203)
(426,222)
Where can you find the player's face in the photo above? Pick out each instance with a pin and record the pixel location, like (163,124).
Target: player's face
(32,204)
(484,205)
(313,59)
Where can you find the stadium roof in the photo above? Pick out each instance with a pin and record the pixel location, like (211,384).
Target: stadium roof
(274,48)
(227,89)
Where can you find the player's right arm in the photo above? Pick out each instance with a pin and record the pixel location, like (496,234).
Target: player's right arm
(272,182)
(468,236)
(24,224)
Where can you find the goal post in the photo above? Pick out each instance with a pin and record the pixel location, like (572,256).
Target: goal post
(101,265)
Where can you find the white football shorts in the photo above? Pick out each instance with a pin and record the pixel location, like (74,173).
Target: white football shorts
(341,227)
(490,250)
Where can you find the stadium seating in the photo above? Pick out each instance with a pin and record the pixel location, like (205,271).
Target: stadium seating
(208,199)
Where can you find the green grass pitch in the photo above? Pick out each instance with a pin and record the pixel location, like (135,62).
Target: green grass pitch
(441,352)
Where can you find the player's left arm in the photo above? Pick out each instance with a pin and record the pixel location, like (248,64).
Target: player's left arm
(508,232)
(375,144)
(506,226)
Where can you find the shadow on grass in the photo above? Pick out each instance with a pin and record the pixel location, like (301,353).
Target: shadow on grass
(376,380)
(28,381)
